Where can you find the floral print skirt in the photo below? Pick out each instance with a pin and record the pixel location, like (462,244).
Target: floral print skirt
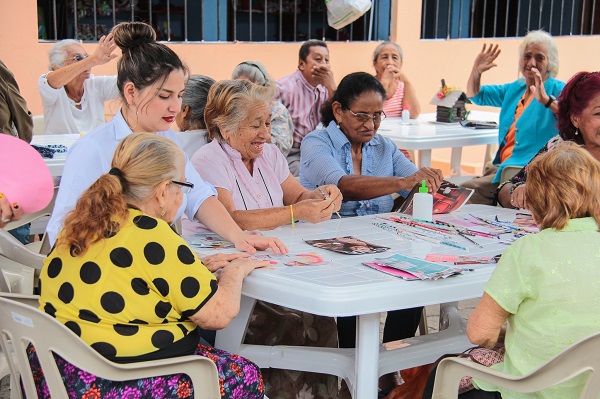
(238,377)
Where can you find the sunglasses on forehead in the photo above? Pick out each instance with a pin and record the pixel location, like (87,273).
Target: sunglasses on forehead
(78,57)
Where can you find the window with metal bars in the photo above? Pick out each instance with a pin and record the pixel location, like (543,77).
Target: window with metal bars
(456,19)
(209,20)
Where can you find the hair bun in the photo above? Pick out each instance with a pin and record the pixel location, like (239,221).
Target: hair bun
(128,35)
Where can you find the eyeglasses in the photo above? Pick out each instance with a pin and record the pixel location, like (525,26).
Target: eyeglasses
(186,187)
(78,57)
(363,117)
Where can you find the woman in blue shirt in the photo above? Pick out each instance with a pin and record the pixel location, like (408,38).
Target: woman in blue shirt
(367,168)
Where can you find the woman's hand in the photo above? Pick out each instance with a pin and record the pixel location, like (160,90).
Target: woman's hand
(8,212)
(314,210)
(334,194)
(218,261)
(433,177)
(251,242)
(104,50)
(246,265)
(517,198)
(485,59)
(538,89)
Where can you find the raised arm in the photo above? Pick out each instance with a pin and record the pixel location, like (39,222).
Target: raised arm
(483,62)
(102,55)
(410,97)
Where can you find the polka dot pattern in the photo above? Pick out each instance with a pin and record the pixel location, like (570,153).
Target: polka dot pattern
(90,273)
(121,257)
(185,255)
(140,286)
(162,338)
(162,309)
(190,287)
(104,348)
(112,302)
(161,285)
(54,267)
(154,253)
(133,291)
(126,330)
(145,222)
(66,292)
(71,325)
(88,315)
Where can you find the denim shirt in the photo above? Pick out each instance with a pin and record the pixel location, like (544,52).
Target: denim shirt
(325,158)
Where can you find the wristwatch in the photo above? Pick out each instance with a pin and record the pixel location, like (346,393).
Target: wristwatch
(551,99)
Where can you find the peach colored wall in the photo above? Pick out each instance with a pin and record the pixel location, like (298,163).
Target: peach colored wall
(426,61)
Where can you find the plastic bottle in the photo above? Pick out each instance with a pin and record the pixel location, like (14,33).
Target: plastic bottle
(405,116)
(423,204)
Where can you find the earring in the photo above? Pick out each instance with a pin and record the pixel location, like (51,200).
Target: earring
(162,212)
(337,123)
(576,131)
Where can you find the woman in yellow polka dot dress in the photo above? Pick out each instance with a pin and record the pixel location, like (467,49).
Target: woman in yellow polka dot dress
(122,280)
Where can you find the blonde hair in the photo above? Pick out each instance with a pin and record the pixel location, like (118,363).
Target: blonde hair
(563,184)
(142,161)
(229,102)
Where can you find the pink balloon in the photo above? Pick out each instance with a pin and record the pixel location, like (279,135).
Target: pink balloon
(24,176)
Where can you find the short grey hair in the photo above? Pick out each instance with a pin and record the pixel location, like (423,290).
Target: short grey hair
(58,53)
(542,37)
(255,71)
(229,103)
(195,96)
(383,44)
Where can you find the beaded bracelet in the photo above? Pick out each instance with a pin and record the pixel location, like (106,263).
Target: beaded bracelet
(513,186)
(292,214)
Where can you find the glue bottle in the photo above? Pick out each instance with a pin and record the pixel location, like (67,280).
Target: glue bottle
(423,204)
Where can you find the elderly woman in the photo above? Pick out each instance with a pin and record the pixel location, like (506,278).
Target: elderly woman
(282,126)
(545,285)
(255,185)
(190,120)
(400,93)
(367,168)
(578,105)
(528,106)
(73,98)
(151,80)
(150,290)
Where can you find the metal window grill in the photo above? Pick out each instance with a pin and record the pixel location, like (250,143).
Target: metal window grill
(209,20)
(455,19)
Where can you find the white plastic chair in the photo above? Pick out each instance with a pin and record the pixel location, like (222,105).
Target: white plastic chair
(21,324)
(29,300)
(509,172)
(582,357)
(38,124)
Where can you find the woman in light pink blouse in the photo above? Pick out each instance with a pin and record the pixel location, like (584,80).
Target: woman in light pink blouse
(255,185)
(401,95)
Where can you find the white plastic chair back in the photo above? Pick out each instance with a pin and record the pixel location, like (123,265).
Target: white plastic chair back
(38,124)
(582,357)
(22,324)
(509,172)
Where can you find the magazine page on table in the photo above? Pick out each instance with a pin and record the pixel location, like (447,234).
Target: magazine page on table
(448,198)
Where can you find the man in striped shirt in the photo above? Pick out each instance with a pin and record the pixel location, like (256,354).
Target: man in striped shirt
(304,91)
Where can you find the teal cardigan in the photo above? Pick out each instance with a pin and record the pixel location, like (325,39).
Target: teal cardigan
(535,127)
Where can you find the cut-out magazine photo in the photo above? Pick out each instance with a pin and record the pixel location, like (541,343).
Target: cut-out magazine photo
(448,198)
(348,245)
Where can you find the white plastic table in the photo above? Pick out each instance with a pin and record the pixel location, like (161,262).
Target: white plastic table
(56,164)
(423,135)
(347,288)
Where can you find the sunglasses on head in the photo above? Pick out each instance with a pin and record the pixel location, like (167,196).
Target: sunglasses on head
(78,57)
